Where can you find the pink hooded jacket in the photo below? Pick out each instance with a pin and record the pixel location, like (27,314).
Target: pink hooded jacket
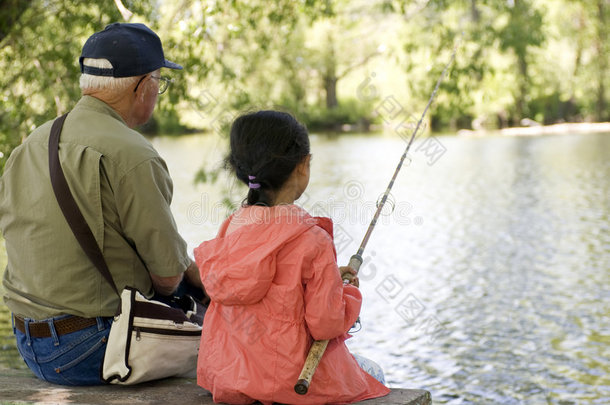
(273,279)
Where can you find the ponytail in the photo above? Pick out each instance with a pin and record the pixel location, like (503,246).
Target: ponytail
(266,147)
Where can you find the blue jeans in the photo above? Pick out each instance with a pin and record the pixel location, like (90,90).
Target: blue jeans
(71,359)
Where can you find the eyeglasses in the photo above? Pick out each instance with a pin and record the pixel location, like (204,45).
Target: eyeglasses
(164,83)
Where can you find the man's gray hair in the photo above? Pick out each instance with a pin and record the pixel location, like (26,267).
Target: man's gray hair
(91,82)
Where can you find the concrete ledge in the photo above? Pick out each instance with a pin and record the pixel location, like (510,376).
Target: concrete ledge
(22,387)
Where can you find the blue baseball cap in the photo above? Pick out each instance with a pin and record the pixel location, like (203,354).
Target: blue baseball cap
(132,49)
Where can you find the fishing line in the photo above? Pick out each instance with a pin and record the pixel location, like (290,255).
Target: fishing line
(356,260)
(316,351)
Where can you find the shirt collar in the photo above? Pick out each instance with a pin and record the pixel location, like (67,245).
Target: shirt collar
(95,104)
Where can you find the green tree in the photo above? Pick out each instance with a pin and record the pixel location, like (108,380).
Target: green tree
(602,47)
(229,44)
(335,46)
(522,31)
(10,11)
(39,61)
(489,32)
(432,30)
(340,46)
(540,59)
(234,51)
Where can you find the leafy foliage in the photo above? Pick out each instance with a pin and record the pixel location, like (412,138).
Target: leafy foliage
(540,59)
(39,63)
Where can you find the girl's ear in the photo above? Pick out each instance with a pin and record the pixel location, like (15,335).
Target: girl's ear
(303,166)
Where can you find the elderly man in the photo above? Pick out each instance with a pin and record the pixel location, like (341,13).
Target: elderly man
(61,305)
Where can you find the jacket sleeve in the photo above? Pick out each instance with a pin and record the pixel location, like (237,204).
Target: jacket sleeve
(143,199)
(331,308)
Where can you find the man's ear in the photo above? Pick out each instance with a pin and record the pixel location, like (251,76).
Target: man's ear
(142,88)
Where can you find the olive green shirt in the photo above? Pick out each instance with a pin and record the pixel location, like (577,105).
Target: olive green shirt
(124,191)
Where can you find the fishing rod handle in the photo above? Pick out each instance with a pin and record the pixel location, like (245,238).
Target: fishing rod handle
(319,346)
(311,363)
(354,262)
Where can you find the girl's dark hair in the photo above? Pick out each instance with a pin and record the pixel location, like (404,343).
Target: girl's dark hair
(267,145)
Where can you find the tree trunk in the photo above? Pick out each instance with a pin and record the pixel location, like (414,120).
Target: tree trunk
(521,108)
(602,51)
(330,74)
(474,11)
(330,86)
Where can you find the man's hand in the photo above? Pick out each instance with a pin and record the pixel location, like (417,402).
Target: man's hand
(167,285)
(349,274)
(192,275)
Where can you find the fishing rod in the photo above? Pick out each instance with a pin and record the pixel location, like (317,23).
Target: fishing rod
(319,346)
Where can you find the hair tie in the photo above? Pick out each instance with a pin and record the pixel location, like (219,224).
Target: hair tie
(253,185)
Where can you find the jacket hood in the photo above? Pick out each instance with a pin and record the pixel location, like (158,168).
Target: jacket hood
(239,268)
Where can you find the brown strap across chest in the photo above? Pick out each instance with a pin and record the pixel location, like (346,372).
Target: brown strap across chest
(70,209)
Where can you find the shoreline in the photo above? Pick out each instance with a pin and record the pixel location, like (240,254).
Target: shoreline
(533,130)
(536,130)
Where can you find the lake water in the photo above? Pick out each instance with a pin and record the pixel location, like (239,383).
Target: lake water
(489,281)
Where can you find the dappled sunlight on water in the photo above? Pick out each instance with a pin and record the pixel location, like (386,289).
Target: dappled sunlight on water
(513,261)
(490,280)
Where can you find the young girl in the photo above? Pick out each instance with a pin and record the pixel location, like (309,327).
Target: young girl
(273,279)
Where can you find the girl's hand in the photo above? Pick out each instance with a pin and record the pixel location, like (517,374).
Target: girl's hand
(350,275)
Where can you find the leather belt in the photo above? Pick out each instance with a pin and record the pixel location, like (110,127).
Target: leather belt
(62,326)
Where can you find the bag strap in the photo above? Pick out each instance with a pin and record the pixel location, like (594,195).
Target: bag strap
(70,209)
